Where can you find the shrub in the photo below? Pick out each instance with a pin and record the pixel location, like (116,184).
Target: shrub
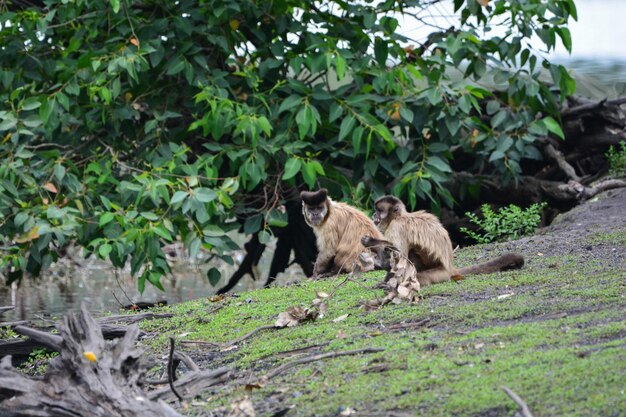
(617,160)
(510,222)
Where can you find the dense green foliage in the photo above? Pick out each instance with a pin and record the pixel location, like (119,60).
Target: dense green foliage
(511,222)
(127,124)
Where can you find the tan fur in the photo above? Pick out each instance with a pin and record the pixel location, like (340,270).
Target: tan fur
(421,237)
(339,239)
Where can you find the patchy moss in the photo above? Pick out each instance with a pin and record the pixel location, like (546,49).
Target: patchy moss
(553,332)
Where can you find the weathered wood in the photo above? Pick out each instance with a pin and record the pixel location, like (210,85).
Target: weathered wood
(109,384)
(590,107)
(192,384)
(557,156)
(5,309)
(132,318)
(20,348)
(584,193)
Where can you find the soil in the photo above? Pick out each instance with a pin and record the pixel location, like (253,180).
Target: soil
(578,235)
(569,233)
(456,333)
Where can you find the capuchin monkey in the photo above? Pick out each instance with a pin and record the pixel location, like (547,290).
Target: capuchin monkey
(338,228)
(421,237)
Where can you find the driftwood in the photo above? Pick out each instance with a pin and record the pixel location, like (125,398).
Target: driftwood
(20,348)
(192,384)
(90,377)
(584,193)
(5,309)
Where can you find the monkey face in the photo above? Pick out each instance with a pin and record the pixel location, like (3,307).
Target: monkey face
(380,214)
(314,215)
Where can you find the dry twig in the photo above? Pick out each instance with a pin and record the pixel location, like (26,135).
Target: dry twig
(171,371)
(321,356)
(232,342)
(524,408)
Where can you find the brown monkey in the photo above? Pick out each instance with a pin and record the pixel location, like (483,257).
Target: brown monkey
(338,228)
(421,237)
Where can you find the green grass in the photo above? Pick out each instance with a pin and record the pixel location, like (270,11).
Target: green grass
(558,341)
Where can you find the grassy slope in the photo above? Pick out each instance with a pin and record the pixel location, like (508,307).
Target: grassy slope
(559,342)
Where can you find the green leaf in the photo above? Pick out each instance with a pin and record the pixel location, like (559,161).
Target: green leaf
(115,4)
(309,174)
(553,126)
(194,247)
(214,276)
(31,104)
(492,107)
(292,167)
(106,218)
(59,172)
(163,232)
(303,120)
(289,103)
(566,37)
(8,123)
(213,231)
(264,237)
(265,125)
(318,167)
(340,66)
(278,218)
(54,212)
(104,250)
(438,163)
(48,107)
(205,195)
(21,218)
(252,224)
(347,124)
(155,279)
(178,197)
(148,215)
(496,155)
(499,118)
(334,113)
(141,283)
(406,114)
(381,51)
(175,66)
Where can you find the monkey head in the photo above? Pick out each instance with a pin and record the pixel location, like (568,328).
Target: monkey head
(386,209)
(315,205)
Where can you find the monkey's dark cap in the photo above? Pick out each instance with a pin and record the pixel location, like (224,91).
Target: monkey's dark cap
(389,199)
(314,198)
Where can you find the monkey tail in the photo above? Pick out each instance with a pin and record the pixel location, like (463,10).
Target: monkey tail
(501,263)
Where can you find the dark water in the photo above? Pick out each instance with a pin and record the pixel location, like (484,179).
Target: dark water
(105,290)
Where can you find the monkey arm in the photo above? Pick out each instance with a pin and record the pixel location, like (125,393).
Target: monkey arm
(381,250)
(323,264)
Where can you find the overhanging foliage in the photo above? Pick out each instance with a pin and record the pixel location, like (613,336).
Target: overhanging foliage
(127,124)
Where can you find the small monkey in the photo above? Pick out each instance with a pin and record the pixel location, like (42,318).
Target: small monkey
(338,228)
(421,237)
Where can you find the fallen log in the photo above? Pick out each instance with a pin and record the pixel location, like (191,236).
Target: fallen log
(4,309)
(18,349)
(585,193)
(90,377)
